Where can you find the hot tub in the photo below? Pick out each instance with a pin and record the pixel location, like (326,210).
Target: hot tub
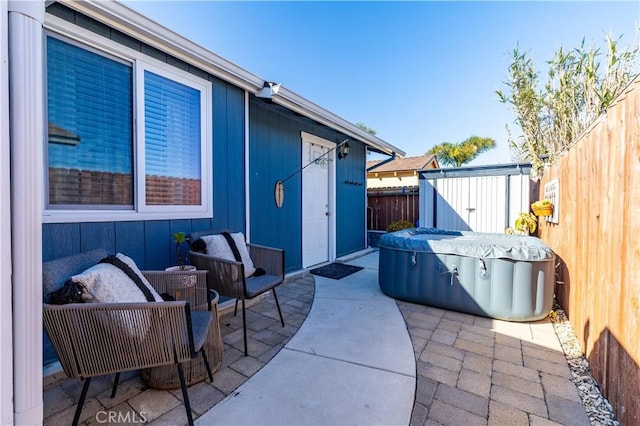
(500,276)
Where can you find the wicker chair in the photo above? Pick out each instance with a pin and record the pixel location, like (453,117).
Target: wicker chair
(228,279)
(96,339)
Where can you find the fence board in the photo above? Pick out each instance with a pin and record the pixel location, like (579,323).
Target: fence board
(386,207)
(597,242)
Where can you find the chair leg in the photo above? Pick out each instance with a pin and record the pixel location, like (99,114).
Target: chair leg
(206,364)
(244,328)
(275,296)
(115,385)
(185,395)
(235,310)
(83,396)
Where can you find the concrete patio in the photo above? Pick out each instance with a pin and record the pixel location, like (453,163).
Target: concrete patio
(351,355)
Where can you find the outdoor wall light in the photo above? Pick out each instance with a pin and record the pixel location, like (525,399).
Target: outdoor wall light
(344,150)
(278,190)
(269,90)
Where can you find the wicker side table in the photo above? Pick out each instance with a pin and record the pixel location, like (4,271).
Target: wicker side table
(166,377)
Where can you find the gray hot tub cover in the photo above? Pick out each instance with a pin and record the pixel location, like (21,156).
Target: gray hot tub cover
(467,243)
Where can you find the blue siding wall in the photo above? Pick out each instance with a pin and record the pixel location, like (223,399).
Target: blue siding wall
(228,158)
(274,153)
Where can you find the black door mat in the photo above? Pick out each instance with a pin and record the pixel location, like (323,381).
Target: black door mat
(336,271)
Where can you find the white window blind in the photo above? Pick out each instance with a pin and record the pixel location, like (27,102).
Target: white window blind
(172,142)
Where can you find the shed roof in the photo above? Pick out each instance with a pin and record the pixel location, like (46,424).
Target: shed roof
(474,171)
(134,24)
(403,164)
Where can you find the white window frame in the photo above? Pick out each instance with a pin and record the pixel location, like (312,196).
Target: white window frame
(140,168)
(140,62)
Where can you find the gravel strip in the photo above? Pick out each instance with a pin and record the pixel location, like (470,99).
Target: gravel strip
(598,408)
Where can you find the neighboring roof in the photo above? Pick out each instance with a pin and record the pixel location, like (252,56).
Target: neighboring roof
(134,24)
(403,164)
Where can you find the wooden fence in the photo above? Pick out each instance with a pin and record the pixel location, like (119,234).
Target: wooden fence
(597,239)
(384,207)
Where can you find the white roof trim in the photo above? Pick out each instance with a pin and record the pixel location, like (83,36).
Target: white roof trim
(132,23)
(307,108)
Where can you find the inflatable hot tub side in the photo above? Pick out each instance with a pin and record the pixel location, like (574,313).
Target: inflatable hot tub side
(500,276)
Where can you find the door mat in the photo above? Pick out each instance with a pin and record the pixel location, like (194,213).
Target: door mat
(336,271)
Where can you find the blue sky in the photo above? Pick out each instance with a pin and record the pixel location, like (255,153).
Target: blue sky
(419,73)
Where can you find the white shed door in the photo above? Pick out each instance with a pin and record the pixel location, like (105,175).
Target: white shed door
(486,207)
(453,204)
(315,204)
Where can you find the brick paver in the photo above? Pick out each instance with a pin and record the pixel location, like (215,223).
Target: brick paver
(474,382)
(508,353)
(566,412)
(560,386)
(444,414)
(462,399)
(501,414)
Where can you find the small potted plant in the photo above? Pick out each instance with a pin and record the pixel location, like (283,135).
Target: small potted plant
(542,207)
(179,238)
(525,224)
(181,285)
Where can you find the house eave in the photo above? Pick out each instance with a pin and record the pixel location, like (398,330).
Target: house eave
(295,102)
(132,23)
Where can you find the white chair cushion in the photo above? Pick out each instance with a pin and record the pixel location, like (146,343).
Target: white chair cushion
(106,283)
(217,246)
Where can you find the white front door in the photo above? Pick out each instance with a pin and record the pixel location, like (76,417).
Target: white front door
(315,203)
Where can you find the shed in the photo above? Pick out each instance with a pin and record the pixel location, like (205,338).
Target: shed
(475,198)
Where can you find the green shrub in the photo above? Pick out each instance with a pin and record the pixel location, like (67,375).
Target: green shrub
(398,225)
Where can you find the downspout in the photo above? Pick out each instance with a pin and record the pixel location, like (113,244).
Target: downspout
(26,100)
(375,166)
(6,309)
(247,177)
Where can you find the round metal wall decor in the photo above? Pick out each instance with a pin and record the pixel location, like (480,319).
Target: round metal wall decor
(278,193)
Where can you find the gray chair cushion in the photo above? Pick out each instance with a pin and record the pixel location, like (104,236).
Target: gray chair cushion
(200,321)
(258,285)
(56,272)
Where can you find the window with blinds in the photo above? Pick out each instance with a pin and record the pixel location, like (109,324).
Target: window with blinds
(125,135)
(172,142)
(90,111)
